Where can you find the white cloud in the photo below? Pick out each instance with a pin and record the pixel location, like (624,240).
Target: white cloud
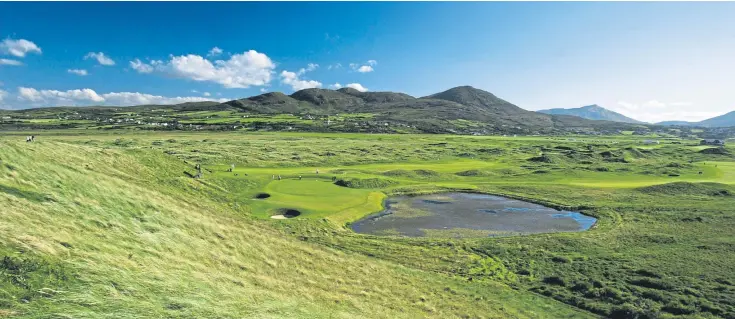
(206,94)
(143,67)
(86,97)
(263,90)
(215,52)
(80,72)
(18,48)
(334,66)
(10,62)
(250,68)
(3,94)
(194,91)
(135,98)
(100,57)
(292,79)
(365,69)
(310,67)
(357,86)
(335,86)
(59,97)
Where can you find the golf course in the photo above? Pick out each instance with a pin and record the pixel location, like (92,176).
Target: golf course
(122,224)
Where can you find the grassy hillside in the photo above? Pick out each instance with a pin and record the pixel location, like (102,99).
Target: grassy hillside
(94,227)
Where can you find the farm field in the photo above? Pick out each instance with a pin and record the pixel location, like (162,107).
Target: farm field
(96,222)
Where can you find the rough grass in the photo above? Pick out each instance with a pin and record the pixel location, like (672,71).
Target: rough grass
(662,247)
(125,234)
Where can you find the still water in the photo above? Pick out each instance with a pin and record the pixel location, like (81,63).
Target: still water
(468,215)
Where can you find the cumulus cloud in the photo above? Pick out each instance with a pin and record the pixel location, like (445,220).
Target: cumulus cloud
(334,66)
(357,86)
(250,68)
(335,86)
(80,72)
(3,94)
(292,79)
(59,97)
(215,52)
(10,62)
(365,69)
(86,97)
(100,57)
(18,48)
(143,67)
(263,90)
(135,98)
(206,94)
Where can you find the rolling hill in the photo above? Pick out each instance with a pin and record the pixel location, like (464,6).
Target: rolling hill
(592,112)
(462,109)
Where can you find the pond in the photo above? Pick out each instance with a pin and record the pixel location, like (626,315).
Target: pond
(468,215)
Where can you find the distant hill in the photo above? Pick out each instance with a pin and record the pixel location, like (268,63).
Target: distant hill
(493,108)
(592,112)
(725,120)
(677,123)
(462,109)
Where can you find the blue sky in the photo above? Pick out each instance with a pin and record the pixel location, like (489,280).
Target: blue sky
(652,61)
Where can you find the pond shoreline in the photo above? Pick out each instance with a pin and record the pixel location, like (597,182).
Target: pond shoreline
(458,211)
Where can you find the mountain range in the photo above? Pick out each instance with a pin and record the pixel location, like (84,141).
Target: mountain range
(596,112)
(435,113)
(460,109)
(592,112)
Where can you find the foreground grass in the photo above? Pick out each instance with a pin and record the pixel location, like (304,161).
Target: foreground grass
(89,230)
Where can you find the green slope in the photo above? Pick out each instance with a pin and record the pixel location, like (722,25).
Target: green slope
(98,232)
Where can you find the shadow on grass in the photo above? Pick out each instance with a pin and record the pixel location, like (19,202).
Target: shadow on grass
(29,195)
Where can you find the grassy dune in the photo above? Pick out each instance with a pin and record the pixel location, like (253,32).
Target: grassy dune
(91,227)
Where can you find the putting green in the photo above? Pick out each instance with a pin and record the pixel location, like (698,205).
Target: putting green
(317,198)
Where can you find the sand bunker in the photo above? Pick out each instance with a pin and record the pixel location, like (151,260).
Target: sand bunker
(286,213)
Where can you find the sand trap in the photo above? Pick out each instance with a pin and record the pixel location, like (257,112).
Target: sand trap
(286,213)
